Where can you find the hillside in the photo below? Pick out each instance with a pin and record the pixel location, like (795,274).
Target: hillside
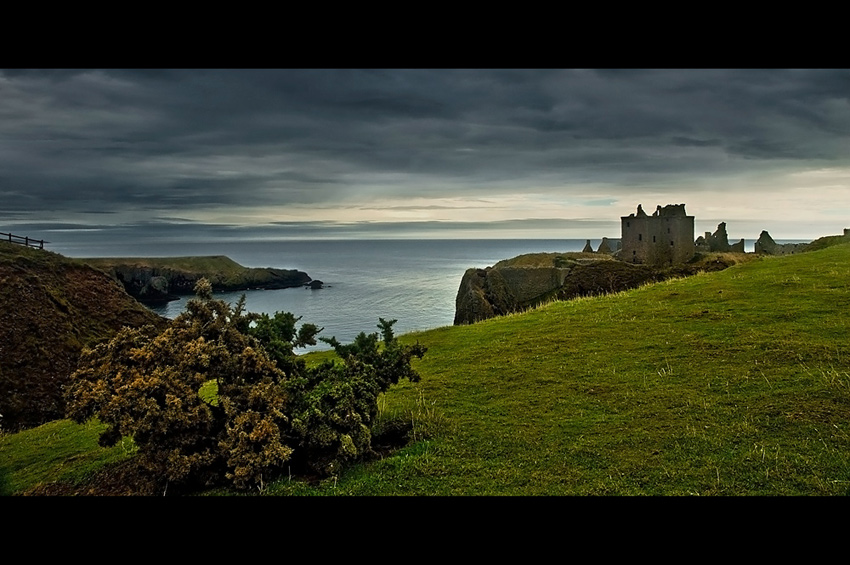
(52,306)
(829,241)
(734,382)
(163,278)
(516,284)
(727,383)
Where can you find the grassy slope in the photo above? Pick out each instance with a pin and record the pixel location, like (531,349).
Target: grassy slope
(192,264)
(51,307)
(730,383)
(55,451)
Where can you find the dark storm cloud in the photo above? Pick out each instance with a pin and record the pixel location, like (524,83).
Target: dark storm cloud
(159,142)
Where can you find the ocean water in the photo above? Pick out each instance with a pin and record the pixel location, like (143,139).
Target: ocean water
(412,281)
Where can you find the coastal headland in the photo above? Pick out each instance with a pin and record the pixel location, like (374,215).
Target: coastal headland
(159,279)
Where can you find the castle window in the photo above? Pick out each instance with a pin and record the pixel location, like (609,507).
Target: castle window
(640,237)
(653,239)
(668,230)
(628,224)
(671,244)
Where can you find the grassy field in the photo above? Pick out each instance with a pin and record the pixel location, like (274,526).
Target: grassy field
(730,383)
(56,451)
(191,264)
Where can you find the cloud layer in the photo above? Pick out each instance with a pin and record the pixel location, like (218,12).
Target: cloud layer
(447,147)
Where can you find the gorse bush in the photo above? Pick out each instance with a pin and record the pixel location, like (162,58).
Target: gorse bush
(270,411)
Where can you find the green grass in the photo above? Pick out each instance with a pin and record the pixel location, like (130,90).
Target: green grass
(730,383)
(56,451)
(189,264)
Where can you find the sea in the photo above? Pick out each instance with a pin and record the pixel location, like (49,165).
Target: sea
(412,281)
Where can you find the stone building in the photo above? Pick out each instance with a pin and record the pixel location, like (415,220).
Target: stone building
(664,238)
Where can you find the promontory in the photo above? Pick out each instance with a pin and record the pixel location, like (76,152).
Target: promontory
(165,278)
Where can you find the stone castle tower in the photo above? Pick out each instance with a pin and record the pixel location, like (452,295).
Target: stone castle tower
(664,238)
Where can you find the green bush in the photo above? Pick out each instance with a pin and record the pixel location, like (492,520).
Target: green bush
(270,412)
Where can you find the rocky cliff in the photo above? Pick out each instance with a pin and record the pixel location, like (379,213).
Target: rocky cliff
(52,307)
(520,283)
(165,278)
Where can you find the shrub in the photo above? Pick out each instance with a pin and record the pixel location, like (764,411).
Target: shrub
(270,410)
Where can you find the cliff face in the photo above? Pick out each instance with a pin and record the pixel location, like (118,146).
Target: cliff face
(157,279)
(526,281)
(52,307)
(500,290)
(485,293)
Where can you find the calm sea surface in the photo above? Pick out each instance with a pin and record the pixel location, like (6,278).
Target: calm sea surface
(413,281)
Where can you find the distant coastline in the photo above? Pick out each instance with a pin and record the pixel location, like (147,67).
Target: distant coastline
(161,279)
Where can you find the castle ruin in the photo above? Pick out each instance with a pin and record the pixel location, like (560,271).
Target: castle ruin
(766,246)
(606,246)
(664,238)
(718,241)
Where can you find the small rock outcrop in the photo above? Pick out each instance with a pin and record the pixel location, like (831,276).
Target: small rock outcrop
(156,290)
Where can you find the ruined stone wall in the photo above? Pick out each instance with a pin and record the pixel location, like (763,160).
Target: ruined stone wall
(718,241)
(767,246)
(609,246)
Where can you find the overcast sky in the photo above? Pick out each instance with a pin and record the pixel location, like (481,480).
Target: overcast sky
(422,153)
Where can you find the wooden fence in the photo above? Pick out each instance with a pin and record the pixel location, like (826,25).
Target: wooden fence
(39,243)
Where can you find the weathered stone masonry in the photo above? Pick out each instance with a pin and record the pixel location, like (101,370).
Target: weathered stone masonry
(664,238)
(766,246)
